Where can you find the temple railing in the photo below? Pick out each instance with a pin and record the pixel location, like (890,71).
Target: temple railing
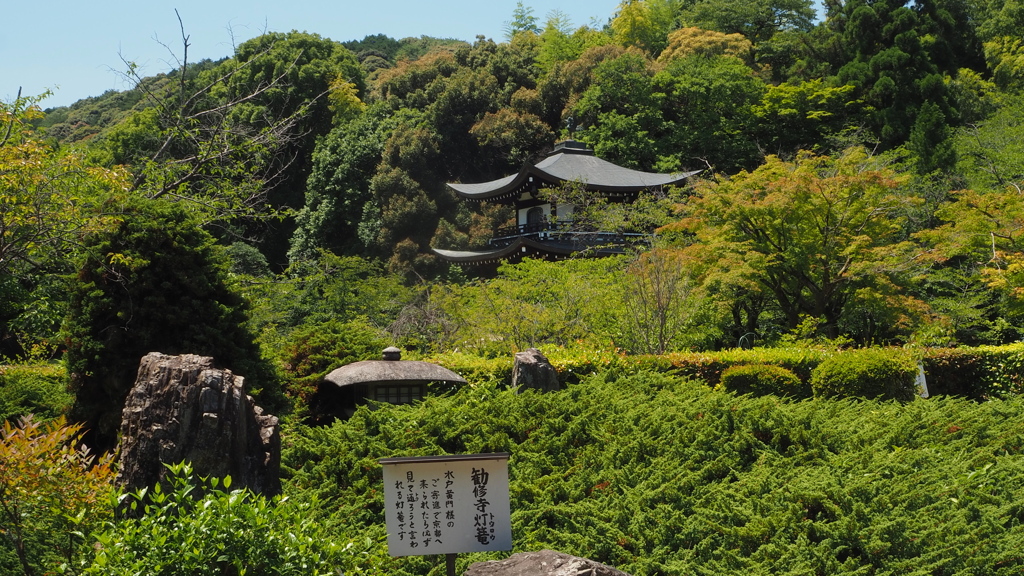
(564,232)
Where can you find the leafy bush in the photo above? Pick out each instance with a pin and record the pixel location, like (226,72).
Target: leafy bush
(222,533)
(708,366)
(247,259)
(761,379)
(33,389)
(867,373)
(476,369)
(1002,370)
(312,351)
(51,494)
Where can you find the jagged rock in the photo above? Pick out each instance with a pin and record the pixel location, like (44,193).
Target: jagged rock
(543,563)
(182,408)
(533,371)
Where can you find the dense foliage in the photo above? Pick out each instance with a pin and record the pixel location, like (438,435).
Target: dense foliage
(38,389)
(52,495)
(661,475)
(870,373)
(154,282)
(860,186)
(833,201)
(198,526)
(762,379)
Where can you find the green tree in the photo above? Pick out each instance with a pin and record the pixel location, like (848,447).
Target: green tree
(381,44)
(512,135)
(339,185)
(559,43)
(233,141)
(284,74)
(709,114)
(49,198)
(822,236)
(990,152)
(804,116)
(984,227)
(896,56)
(692,111)
(692,41)
(998,18)
(758,21)
(560,89)
(663,306)
(931,141)
(640,24)
(620,114)
(523,21)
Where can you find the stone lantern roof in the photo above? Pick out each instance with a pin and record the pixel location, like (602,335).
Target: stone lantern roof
(391,369)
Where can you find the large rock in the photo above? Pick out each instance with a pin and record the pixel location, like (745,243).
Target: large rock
(543,563)
(182,408)
(533,371)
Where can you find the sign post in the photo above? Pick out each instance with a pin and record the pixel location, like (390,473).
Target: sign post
(447,504)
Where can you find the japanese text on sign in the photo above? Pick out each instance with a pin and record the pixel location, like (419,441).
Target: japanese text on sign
(444,505)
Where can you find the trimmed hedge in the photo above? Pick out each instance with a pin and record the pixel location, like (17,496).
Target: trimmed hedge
(762,379)
(981,373)
(984,372)
(883,373)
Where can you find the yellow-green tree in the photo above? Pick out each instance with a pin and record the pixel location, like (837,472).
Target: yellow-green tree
(821,237)
(690,41)
(988,228)
(47,197)
(642,24)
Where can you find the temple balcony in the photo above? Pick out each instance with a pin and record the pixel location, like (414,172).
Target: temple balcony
(565,233)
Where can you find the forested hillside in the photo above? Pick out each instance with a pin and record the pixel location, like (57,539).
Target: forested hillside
(884,133)
(860,186)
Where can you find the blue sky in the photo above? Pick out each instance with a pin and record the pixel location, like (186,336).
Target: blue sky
(75,47)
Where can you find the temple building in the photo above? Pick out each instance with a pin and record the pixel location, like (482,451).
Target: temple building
(545,230)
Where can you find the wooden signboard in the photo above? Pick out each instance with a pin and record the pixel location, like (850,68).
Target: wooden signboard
(447,504)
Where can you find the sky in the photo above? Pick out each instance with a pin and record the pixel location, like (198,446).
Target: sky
(77,48)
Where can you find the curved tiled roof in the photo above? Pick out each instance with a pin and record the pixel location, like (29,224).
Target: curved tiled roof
(591,171)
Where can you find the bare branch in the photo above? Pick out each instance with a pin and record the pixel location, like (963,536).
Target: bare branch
(10,123)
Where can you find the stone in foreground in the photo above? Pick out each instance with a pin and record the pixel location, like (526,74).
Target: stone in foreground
(182,408)
(543,563)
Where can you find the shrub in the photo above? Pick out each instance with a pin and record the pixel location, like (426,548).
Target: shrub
(50,496)
(314,350)
(658,475)
(761,379)
(868,373)
(33,389)
(222,533)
